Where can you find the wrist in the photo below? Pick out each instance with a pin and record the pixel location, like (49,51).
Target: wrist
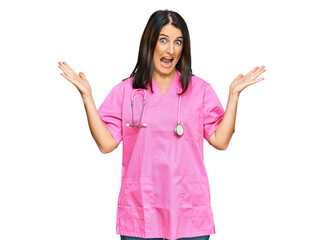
(87,98)
(233,95)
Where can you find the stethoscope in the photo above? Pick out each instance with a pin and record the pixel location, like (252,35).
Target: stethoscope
(178,129)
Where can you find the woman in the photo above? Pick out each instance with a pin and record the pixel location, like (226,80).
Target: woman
(162,113)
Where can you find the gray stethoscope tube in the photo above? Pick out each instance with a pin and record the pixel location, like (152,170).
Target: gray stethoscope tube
(144,98)
(179,128)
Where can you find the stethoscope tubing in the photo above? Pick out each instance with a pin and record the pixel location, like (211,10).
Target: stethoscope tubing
(132,106)
(178,129)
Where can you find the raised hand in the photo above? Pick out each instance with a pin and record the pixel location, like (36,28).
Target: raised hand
(241,81)
(79,80)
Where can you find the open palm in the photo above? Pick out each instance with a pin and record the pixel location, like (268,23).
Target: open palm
(241,81)
(79,80)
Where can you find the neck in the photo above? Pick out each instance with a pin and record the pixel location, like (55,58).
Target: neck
(164,77)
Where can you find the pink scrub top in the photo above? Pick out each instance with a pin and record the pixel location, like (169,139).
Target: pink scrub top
(164,189)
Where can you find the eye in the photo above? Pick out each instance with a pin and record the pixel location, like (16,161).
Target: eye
(179,42)
(163,40)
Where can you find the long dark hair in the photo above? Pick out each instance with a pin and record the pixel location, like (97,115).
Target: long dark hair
(143,70)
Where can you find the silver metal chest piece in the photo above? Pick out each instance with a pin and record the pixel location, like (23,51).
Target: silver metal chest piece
(179,130)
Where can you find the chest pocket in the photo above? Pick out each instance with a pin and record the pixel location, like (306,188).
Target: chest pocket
(127,118)
(191,121)
(129,131)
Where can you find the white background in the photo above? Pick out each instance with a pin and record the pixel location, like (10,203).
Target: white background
(56,184)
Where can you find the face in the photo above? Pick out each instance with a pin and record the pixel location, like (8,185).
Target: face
(167,51)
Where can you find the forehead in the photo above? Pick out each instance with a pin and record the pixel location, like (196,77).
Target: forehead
(171,31)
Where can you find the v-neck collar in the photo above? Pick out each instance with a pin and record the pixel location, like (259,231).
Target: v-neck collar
(175,83)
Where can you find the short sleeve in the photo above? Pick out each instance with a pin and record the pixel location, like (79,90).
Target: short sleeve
(213,111)
(110,112)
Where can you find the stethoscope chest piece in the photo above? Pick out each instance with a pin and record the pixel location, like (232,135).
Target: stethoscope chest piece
(179,130)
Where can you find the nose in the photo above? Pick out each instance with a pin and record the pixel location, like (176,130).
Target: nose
(170,48)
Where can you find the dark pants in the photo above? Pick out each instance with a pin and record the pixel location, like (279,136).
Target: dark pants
(193,238)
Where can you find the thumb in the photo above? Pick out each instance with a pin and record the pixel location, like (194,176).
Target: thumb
(82,75)
(240,76)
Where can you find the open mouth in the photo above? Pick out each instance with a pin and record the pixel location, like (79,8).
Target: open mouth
(166,61)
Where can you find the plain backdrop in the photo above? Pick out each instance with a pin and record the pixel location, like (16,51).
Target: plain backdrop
(56,184)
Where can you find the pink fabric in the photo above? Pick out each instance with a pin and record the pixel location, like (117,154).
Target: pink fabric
(164,189)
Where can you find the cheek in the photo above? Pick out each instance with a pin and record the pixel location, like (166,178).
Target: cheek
(157,54)
(158,49)
(155,61)
(155,57)
(179,53)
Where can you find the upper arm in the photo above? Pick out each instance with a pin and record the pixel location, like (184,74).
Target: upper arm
(113,145)
(110,112)
(214,143)
(213,113)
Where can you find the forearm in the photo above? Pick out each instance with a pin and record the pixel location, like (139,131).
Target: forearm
(221,137)
(99,131)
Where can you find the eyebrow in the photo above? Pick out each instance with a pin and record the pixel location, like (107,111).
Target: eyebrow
(168,36)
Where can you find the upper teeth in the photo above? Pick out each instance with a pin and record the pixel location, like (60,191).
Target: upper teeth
(168,58)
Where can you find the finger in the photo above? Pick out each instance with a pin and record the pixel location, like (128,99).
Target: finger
(65,63)
(82,75)
(259,70)
(239,76)
(252,71)
(256,81)
(68,78)
(255,70)
(255,75)
(65,69)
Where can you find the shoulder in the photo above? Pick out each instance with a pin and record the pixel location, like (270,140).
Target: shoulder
(127,80)
(127,83)
(198,81)
(198,84)
(123,84)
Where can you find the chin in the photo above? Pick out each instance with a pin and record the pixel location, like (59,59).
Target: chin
(166,71)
